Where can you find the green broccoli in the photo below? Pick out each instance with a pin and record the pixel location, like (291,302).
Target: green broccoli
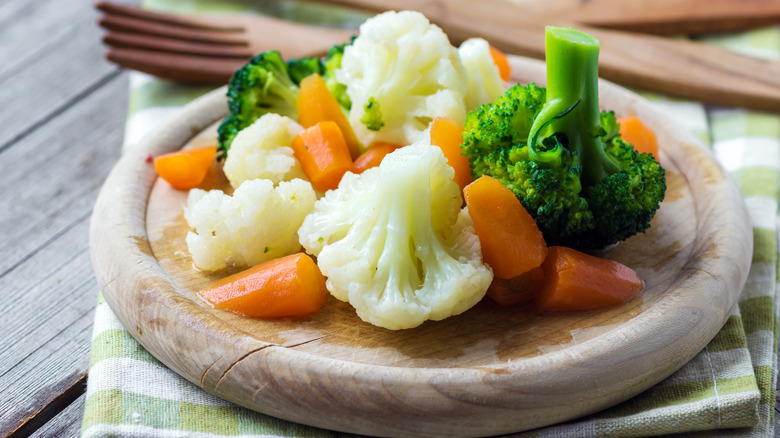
(302,67)
(261,86)
(372,116)
(331,64)
(561,156)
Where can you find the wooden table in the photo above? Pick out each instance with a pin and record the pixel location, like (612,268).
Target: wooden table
(61,129)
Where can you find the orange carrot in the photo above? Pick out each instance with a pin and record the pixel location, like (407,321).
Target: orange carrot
(323,154)
(516,290)
(373,156)
(502,62)
(633,131)
(578,281)
(511,241)
(288,286)
(185,169)
(447,134)
(317,104)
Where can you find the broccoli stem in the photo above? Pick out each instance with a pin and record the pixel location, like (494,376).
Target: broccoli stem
(572,104)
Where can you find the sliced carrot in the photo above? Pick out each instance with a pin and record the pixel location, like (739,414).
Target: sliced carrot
(185,169)
(634,131)
(323,154)
(447,134)
(317,104)
(511,241)
(578,281)
(373,156)
(288,286)
(516,290)
(502,62)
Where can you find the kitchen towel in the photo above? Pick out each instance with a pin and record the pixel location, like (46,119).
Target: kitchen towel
(727,389)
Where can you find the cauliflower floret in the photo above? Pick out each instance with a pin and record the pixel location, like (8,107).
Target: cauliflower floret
(256,224)
(262,150)
(400,73)
(394,242)
(484,80)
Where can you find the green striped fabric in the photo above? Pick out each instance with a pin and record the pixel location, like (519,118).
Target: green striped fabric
(727,389)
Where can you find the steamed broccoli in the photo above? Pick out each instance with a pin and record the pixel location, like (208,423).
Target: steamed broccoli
(561,156)
(261,86)
(330,65)
(301,67)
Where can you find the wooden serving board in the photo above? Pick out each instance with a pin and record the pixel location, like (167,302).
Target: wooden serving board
(489,371)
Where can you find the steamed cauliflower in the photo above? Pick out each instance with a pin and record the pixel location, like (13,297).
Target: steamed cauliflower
(484,79)
(400,73)
(394,242)
(258,223)
(262,150)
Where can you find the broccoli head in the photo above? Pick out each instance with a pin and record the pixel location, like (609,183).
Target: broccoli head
(563,157)
(331,64)
(301,67)
(261,86)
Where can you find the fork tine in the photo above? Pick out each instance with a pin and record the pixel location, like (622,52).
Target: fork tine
(161,44)
(158,17)
(182,68)
(135,25)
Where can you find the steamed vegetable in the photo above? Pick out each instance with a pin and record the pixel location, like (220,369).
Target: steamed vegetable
(187,168)
(562,158)
(256,224)
(579,281)
(263,150)
(483,74)
(373,156)
(400,73)
(287,286)
(323,154)
(640,136)
(394,242)
(316,104)
(447,135)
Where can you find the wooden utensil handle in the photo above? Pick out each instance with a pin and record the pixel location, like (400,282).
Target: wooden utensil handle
(687,69)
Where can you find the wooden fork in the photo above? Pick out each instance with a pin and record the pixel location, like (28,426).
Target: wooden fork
(204,50)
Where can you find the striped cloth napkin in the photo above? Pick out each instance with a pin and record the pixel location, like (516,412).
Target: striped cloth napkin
(726,390)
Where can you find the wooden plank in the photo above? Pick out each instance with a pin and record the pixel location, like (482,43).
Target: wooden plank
(46,275)
(66,424)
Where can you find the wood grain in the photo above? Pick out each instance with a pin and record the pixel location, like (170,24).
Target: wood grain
(488,371)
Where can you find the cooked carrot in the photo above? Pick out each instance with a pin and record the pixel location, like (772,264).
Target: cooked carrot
(578,281)
(323,154)
(511,241)
(373,156)
(516,290)
(288,286)
(634,131)
(317,104)
(502,62)
(447,134)
(185,169)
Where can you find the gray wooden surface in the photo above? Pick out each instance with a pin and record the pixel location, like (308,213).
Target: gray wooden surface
(61,125)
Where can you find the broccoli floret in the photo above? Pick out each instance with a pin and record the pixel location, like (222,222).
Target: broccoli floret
(562,157)
(302,67)
(331,64)
(261,86)
(372,116)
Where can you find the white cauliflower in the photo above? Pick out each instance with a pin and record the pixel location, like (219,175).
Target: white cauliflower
(258,223)
(262,150)
(394,242)
(406,71)
(484,79)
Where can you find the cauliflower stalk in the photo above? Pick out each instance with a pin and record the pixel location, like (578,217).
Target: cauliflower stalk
(256,224)
(262,150)
(394,242)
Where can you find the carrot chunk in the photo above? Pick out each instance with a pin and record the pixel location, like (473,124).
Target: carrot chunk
(317,104)
(578,281)
(516,290)
(288,286)
(511,241)
(373,156)
(323,154)
(447,134)
(634,131)
(185,169)
(502,62)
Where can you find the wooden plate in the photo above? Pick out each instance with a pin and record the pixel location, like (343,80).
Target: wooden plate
(491,370)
